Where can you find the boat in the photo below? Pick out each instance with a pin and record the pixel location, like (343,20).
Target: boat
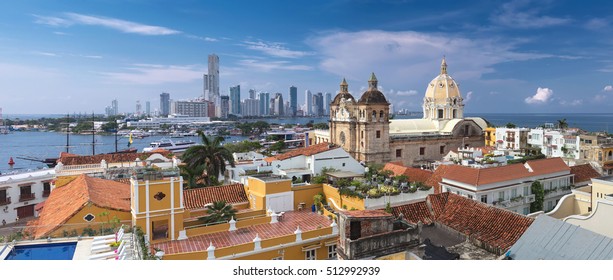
(169,145)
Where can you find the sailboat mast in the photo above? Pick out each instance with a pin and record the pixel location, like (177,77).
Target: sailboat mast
(67,133)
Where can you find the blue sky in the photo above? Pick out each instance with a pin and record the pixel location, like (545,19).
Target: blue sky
(517,56)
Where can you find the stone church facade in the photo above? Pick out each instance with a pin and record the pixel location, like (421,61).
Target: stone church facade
(364,129)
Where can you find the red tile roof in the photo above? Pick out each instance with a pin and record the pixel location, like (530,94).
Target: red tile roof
(414,213)
(437,177)
(71,159)
(65,202)
(306,151)
(484,176)
(584,172)
(307,221)
(414,174)
(198,198)
(496,227)
(493,226)
(367,214)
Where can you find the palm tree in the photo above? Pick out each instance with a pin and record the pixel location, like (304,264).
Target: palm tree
(562,124)
(219,211)
(211,155)
(193,176)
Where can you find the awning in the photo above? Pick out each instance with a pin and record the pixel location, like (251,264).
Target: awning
(311,247)
(344,174)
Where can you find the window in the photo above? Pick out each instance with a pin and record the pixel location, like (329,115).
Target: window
(362,133)
(46,189)
(442,150)
(310,255)
(332,252)
(422,151)
(3,199)
(378,133)
(398,152)
(440,113)
(549,205)
(501,195)
(470,196)
(343,164)
(526,210)
(514,193)
(484,198)
(526,191)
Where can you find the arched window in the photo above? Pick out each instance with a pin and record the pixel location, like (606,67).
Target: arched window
(374,115)
(381,115)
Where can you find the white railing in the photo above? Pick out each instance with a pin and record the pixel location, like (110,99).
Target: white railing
(402,198)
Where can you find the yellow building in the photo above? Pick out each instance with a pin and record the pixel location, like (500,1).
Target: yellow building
(490,136)
(583,201)
(82,206)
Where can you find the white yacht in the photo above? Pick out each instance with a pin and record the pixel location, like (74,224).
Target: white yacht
(169,145)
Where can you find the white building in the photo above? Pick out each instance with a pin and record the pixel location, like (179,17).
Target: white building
(511,138)
(509,186)
(20,192)
(155,123)
(554,143)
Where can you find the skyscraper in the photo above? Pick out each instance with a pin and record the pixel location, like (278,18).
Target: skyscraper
(205,87)
(278,105)
(293,100)
(139,108)
(264,103)
(235,100)
(148,108)
(212,81)
(309,102)
(224,105)
(327,103)
(115,107)
(318,104)
(252,94)
(164,104)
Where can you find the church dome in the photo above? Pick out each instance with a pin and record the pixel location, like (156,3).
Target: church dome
(372,95)
(343,94)
(443,86)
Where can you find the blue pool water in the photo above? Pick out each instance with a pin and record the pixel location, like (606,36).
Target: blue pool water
(57,251)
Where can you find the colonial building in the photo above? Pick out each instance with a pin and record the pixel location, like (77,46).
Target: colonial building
(364,129)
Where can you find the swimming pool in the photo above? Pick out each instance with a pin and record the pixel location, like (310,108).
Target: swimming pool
(55,251)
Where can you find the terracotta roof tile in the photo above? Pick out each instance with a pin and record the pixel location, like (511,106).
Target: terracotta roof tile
(367,213)
(414,213)
(109,158)
(65,202)
(437,177)
(307,221)
(306,151)
(584,172)
(414,174)
(198,198)
(493,226)
(484,176)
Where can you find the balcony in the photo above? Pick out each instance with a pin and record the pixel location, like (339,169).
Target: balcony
(558,191)
(46,193)
(529,199)
(26,197)
(6,201)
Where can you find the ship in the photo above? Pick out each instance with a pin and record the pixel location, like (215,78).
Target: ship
(169,145)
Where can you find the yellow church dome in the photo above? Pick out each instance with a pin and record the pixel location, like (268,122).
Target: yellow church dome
(443,86)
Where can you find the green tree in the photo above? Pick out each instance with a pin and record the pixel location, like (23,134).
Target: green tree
(243,147)
(260,127)
(211,155)
(562,124)
(193,176)
(320,126)
(539,196)
(219,211)
(279,146)
(511,125)
(109,126)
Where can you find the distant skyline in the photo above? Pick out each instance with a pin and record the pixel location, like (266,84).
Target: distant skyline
(513,57)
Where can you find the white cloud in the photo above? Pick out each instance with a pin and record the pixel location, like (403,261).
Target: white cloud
(541,96)
(274,49)
(267,66)
(608,88)
(46,54)
(597,24)
(402,58)
(468,97)
(206,39)
(151,74)
(600,97)
(406,92)
(575,102)
(60,33)
(522,14)
(113,23)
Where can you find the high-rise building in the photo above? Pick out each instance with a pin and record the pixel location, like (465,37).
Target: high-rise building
(235,100)
(327,103)
(309,102)
(148,108)
(278,105)
(318,104)
(115,107)
(213,78)
(139,108)
(192,108)
(250,107)
(264,103)
(252,94)
(224,106)
(205,87)
(293,100)
(164,104)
